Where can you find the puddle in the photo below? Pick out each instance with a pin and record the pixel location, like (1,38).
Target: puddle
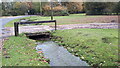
(58,55)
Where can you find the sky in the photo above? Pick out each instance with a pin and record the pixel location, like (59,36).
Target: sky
(64,0)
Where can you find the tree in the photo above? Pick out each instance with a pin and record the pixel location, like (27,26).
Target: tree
(109,8)
(117,8)
(6,8)
(18,6)
(58,10)
(1,9)
(36,7)
(73,7)
(95,8)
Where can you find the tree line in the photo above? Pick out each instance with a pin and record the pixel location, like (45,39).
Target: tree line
(60,8)
(102,8)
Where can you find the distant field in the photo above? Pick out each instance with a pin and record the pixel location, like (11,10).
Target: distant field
(72,19)
(98,47)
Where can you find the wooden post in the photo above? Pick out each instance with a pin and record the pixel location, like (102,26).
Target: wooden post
(16,30)
(40,7)
(55,25)
(51,10)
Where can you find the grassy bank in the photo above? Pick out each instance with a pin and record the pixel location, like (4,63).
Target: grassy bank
(98,47)
(63,20)
(20,51)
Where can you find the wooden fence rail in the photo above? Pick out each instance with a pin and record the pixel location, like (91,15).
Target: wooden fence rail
(16,25)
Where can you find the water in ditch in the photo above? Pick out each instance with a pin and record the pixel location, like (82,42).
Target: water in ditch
(58,55)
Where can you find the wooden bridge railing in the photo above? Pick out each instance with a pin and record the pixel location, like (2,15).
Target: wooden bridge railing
(16,25)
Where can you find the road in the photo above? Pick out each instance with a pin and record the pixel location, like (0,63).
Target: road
(5,20)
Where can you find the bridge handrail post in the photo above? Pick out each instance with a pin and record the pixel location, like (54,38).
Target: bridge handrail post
(16,30)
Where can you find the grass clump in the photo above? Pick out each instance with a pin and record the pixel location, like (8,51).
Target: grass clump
(20,51)
(98,47)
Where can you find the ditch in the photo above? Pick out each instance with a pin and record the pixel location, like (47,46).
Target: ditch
(58,55)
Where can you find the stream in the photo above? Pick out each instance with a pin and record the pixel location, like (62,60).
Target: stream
(58,55)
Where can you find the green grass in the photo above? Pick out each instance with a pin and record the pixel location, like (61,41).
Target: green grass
(11,23)
(21,52)
(98,47)
(61,20)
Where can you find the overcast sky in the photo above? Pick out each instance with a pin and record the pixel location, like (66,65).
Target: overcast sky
(64,0)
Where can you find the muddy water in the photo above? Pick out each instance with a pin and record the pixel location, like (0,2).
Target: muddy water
(59,56)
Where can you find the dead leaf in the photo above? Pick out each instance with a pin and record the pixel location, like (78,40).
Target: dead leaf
(39,52)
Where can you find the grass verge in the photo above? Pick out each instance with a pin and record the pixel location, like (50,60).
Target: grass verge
(61,20)
(98,47)
(20,51)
